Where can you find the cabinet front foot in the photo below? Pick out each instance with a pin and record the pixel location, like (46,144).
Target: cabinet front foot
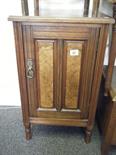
(28,133)
(88,134)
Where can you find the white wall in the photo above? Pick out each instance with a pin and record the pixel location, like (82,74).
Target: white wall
(9,88)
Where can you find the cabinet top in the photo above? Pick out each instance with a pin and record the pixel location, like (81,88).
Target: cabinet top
(84,20)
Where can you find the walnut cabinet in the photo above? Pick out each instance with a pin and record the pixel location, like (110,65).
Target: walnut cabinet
(60,66)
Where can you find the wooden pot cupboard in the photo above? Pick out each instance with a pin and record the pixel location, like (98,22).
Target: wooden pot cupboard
(60,62)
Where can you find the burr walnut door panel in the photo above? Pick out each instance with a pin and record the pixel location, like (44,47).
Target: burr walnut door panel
(45,53)
(71,73)
(59,71)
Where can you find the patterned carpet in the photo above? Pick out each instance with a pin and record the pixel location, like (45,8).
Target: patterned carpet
(46,140)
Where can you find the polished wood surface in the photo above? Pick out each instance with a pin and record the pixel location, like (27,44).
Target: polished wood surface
(61,65)
(97,79)
(107,109)
(63,122)
(84,20)
(66,61)
(114,136)
(44,65)
(49,43)
(22,78)
(73,68)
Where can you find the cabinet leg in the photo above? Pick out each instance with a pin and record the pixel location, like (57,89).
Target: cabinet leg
(88,134)
(28,132)
(105,149)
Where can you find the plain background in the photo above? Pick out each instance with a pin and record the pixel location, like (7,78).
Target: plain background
(9,88)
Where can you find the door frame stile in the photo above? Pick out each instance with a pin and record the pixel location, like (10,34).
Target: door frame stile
(18,33)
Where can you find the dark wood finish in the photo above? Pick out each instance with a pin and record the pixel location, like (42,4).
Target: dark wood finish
(72,20)
(60,69)
(49,41)
(107,104)
(25,9)
(63,122)
(96,80)
(22,77)
(86,7)
(60,62)
(112,54)
(107,109)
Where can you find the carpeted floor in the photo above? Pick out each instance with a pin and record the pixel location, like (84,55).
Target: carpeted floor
(46,140)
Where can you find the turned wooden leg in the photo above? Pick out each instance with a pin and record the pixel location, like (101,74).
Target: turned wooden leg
(28,132)
(105,149)
(88,134)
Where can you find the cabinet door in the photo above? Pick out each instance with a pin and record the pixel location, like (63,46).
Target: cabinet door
(59,71)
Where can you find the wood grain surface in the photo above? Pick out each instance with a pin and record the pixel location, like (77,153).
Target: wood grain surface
(73,74)
(45,71)
(84,20)
(38,93)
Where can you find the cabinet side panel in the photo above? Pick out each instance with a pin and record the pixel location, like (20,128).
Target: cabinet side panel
(114,135)
(97,74)
(21,72)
